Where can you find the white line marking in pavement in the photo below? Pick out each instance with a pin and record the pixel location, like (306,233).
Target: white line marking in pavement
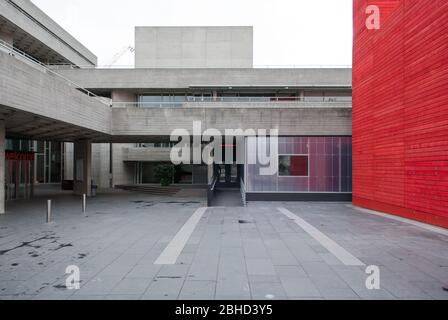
(175,247)
(339,252)
(401,219)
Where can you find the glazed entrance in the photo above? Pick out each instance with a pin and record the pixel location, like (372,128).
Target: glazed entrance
(19,175)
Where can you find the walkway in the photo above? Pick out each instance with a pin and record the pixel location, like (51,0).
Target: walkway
(264,251)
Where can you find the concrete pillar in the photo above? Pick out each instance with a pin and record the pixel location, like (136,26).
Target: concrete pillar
(2,166)
(68,161)
(101,165)
(82,167)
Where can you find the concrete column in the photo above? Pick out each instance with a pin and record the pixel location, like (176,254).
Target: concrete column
(68,161)
(2,166)
(82,167)
(101,165)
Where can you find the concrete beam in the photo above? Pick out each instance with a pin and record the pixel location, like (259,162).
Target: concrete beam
(133,154)
(133,124)
(135,79)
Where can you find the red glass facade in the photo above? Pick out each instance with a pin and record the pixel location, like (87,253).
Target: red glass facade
(400,109)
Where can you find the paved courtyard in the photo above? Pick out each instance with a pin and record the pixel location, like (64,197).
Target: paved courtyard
(264,251)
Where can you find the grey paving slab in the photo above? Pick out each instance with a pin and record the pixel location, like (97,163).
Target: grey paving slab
(122,297)
(268,291)
(165,288)
(173,271)
(236,286)
(144,270)
(198,290)
(291,271)
(131,286)
(300,287)
(265,279)
(234,253)
(260,267)
(338,294)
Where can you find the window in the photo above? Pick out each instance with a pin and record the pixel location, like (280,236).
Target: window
(162,100)
(293,166)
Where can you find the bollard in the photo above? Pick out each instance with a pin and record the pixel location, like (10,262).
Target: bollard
(84,203)
(48,211)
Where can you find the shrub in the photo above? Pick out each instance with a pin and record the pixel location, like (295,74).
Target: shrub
(164,173)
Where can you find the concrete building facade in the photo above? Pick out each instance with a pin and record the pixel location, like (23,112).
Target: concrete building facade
(193,47)
(113,126)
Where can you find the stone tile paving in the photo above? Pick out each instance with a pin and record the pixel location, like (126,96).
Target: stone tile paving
(234,253)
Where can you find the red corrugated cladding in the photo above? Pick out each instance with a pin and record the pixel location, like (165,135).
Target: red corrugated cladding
(400,109)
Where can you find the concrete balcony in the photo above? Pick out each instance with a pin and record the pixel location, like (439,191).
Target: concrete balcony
(246,102)
(146,154)
(40,104)
(291,119)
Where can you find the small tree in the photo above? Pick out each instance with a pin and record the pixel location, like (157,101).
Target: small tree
(164,173)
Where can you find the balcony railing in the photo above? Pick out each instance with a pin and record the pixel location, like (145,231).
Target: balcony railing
(269,99)
(242,102)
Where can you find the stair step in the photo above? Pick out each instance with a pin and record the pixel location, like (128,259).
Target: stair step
(168,191)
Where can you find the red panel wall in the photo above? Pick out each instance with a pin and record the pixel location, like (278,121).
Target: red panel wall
(400,109)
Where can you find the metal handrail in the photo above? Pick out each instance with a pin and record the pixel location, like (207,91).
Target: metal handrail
(214,182)
(14,52)
(271,99)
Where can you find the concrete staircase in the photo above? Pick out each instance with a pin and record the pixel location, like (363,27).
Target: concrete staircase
(227,197)
(151,189)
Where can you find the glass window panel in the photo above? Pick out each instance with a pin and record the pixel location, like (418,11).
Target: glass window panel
(329,162)
(293,166)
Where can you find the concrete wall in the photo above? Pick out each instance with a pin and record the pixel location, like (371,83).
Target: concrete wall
(193,47)
(42,28)
(123,172)
(123,96)
(8,37)
(134,122)
(184,78)
(146,154)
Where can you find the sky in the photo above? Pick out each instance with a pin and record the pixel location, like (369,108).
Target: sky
(286,32)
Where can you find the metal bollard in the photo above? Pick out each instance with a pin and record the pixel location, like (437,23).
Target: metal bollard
(84,203)
(48,211)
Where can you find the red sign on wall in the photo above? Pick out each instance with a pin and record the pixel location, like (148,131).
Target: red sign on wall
(19,156)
